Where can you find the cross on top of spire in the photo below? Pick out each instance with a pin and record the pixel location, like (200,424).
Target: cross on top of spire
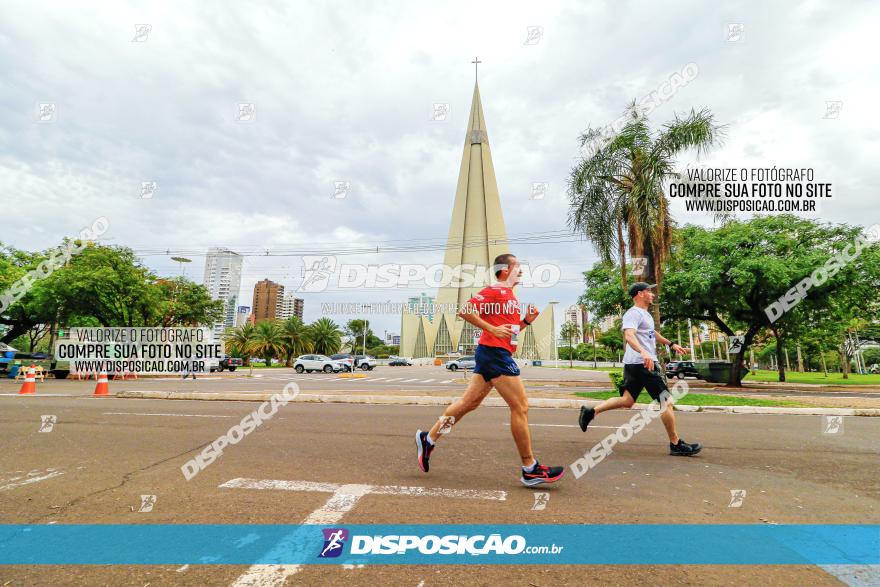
(476,63)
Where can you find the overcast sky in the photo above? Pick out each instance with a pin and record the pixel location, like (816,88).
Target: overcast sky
(342,93)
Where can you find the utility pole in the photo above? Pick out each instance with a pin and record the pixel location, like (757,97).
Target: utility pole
(691,337)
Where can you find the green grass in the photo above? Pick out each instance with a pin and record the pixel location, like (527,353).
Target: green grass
(581,368)
(700,399)
(818,378)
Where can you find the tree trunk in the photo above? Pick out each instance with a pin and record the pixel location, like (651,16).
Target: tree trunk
(593,336)
(800,359)
(844,360)
(736,371)
(622,254)
(824,366)
(779,359)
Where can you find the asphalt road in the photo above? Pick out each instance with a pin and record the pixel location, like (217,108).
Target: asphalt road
(417,380)
(103,454)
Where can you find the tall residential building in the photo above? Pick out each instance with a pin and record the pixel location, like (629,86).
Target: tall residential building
(223,281)
(241,315)
(421,305)
(291,306)
(268,299)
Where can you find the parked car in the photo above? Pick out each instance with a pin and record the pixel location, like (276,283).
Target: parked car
(461,363)
(231,363)
(347,359)
(399,362)
(363,362)
(875,368)
(309,363)
(681,369)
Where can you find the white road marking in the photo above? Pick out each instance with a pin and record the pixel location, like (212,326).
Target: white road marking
(175,415)
(395,379)
(409,380)
(377,489)
(375,379)
(19,482)
(855,575)
(344,498)
(569,426)
(428,380)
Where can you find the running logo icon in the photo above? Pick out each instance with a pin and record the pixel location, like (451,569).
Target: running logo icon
(334,542)
(316,272)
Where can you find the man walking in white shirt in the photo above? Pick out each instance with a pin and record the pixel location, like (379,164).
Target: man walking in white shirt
(641,369)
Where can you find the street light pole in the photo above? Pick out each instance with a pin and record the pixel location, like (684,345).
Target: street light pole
(553,333)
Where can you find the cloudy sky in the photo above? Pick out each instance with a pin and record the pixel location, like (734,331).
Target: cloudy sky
(342,93)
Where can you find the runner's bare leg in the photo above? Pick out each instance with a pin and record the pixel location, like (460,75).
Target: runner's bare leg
(614,403)
(476,392)
(668,419)
(513,391)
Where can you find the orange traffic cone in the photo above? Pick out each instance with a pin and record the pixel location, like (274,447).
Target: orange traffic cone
(102,388)
(30,382)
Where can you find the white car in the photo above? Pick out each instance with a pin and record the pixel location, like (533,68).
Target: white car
(309,363)
(468,362)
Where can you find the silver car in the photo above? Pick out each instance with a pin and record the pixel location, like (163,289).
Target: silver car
(461,363)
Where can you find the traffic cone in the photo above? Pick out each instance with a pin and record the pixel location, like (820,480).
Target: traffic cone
(102,388)
(30,382)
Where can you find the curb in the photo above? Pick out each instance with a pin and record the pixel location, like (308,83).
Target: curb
(425,400)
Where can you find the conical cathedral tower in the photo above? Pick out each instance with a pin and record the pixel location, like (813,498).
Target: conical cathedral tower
(476,236)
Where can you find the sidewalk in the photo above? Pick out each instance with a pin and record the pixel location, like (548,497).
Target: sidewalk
(440,398)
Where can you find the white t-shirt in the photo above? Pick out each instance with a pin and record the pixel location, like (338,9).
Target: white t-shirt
(643,323)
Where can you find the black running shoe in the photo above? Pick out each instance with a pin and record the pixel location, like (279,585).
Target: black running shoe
(425,449)
(683,449)
(541,474)
(587,415)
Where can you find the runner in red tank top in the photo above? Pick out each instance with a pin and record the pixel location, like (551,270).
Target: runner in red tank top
(495,310)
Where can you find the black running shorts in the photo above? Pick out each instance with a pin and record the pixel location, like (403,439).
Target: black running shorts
(637,377)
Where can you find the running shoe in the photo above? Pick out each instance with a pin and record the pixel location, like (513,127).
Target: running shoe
(587,415)
(683,449)
(542,474)
(425,449)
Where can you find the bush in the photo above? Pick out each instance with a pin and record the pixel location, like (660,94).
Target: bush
(616,379)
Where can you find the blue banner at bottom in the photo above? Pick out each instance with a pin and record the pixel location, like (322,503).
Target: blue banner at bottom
(427,544)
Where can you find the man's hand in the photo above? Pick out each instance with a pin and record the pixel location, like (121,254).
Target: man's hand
(679,350)
(531,313)
(503,331)
(649,361)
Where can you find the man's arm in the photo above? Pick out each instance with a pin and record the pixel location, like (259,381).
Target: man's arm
(469,314)
(663,340)
(531,313)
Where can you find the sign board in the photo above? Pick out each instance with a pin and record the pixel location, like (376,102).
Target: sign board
(735,344)
(639,265)
(477,334)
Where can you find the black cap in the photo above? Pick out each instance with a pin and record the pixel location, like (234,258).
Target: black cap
(639,286)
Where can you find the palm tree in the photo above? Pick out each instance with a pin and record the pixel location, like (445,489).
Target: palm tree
(295,338)
(570,331)
(239,341)
(617,194)
(267,340)
(326,336)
